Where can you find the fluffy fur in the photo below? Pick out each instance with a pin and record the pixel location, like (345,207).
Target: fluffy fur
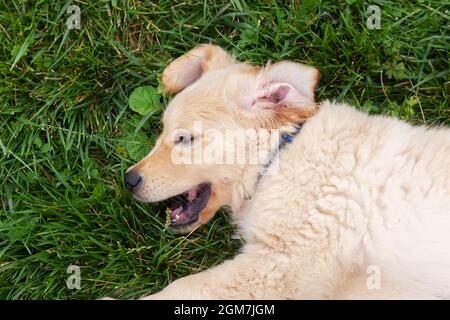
(353,191)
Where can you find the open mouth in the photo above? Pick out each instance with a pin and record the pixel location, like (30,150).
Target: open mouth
(184,208)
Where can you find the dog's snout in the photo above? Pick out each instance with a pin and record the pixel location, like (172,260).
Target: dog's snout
(132,179)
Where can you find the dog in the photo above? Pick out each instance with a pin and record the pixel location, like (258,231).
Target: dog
(357,208)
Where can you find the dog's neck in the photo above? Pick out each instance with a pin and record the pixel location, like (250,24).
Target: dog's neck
(245,188)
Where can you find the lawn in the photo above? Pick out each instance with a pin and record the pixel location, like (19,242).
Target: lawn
(67,133)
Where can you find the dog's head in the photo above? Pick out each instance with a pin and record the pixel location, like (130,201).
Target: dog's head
(215,94)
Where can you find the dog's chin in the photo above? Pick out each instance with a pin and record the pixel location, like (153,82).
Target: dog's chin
(184,229)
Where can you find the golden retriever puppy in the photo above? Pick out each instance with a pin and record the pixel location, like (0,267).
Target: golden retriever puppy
(339,204)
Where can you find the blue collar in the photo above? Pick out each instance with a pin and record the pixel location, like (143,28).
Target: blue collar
(285,139)
(289,137)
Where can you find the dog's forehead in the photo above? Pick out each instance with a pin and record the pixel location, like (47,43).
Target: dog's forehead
(186,112)
(196,98)
(208,96)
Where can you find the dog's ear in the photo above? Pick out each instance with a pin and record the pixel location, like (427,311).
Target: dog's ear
(188,68)
(281,94)
(285,84)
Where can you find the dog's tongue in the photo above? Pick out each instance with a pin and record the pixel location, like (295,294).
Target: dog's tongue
(193,193)
(183,212)
(178,215)
(177,211)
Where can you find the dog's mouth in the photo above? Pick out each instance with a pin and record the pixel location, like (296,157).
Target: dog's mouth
(184,208)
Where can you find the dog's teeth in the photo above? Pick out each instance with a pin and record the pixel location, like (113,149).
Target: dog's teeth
(177,217)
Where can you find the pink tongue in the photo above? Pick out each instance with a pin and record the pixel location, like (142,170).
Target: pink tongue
(176,211)
(192,194)
(178,216)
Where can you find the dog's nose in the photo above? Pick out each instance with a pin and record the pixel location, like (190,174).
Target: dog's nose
(132,179)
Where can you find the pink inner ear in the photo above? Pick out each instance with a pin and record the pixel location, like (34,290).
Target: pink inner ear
(275,93)
(279,94)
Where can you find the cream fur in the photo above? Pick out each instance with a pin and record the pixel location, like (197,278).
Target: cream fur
(353,192)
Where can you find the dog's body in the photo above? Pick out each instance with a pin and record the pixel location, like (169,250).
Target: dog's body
(359,208)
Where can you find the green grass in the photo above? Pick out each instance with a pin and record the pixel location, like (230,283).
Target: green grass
(67,134)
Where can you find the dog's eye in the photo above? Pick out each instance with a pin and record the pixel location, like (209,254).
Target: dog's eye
(184,139)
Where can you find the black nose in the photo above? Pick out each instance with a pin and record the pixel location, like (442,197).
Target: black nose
(132,179)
